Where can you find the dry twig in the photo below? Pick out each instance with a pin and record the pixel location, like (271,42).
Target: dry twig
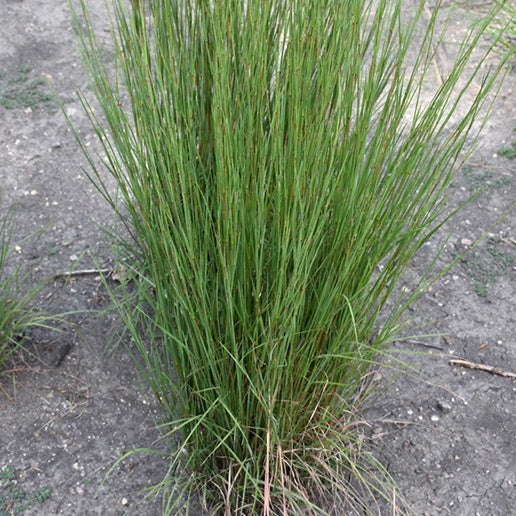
(82,272)
(481,367)
(424,344)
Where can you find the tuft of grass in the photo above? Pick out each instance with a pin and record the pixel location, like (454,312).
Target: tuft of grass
(16,316)
(279,164)
(17,90)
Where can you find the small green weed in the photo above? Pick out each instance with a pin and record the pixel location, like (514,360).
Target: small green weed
(484,178)
(13,499)
(18,90)
(509,151)
(486,265)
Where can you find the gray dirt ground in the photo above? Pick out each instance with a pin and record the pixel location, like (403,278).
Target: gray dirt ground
(449,441)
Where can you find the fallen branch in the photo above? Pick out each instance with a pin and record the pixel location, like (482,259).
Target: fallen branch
(482,367)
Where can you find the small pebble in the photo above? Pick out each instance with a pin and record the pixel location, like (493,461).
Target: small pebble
(466,241)
(125,501)
(443,406)
(435,418)
(68,238)
(73,258)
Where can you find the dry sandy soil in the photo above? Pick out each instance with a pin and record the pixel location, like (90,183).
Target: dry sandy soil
(70,408)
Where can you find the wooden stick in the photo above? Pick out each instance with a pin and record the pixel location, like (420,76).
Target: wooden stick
(482,367)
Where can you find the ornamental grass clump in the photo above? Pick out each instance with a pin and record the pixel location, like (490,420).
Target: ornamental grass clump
(278,166)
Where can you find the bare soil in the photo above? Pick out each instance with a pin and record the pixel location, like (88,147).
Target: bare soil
(70,408)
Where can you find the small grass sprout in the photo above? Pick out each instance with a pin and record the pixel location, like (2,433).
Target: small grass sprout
(279,163)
